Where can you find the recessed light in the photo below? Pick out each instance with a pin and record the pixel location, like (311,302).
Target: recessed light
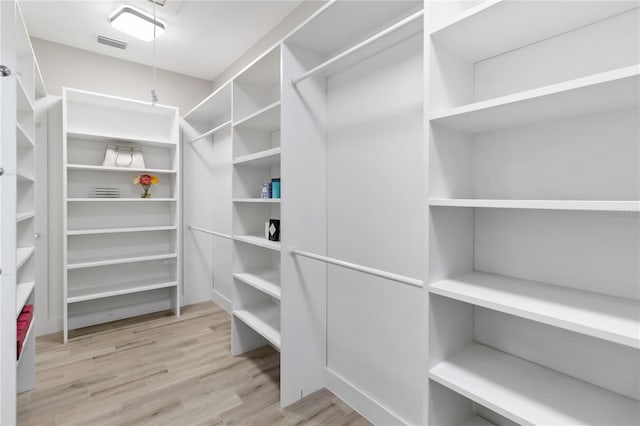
(136,23)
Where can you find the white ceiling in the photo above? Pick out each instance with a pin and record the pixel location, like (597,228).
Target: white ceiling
(202,39)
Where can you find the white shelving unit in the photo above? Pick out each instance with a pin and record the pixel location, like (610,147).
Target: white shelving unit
(207,132)
(256,160)
(115,248)
(533,194)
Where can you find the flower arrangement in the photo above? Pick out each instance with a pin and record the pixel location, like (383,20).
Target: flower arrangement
(145,181)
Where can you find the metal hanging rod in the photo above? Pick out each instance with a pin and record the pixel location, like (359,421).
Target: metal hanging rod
(357,47)
(206,231)
(354,266)
(210,132)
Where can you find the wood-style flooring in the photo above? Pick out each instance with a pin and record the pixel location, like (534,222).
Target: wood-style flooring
(159,370)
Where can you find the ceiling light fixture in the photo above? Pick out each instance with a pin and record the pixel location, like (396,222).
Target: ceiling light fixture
(136,23)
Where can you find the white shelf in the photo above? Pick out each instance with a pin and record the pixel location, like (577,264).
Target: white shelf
(105,137)
(266,280)
(26,338)
(120,230)
(24,216)
(121,200)
(101,292)
(527,393)
(22,177)
(116,260)
(268,119)
(258,241)
(497,26)
(257,200)
(22,255)
(264,319)
(478,421)
(267,158)
(23,291)
(217,104)
(24,103)
(606,317)
(597,93)
(117,169)
(212,131)
(22,138)
(582,205)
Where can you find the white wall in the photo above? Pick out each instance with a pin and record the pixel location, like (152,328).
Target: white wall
(67,66)
(290,22)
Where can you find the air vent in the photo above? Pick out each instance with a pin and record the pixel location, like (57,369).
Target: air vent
(111,42)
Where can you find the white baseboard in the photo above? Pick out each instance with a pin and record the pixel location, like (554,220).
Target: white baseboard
(100,317)
(364,404)
(221,301)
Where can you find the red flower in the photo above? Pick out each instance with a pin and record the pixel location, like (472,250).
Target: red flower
(145,180)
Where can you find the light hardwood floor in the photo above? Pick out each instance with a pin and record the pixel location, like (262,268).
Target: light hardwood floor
(159,370)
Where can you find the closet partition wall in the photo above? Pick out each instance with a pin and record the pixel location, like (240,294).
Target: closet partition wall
(353,156)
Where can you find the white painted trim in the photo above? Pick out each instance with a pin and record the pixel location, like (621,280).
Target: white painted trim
(221,301)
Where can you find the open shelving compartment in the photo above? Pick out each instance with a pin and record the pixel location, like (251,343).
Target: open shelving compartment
(534,217)
(122,254)
(353,153)
(256,160)
(209,117)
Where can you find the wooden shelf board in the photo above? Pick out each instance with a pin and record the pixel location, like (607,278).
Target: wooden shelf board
(269,157)
(527,393)
(258,241)
(22,138)
(267,118)
(101,292)
(105,137)
(116,260)
(582,205)
(608,91)
(117,169)
(24,216)
(119,230)
(22,255)
(26,338)
(606,317)
(265,280)
(121,200)
(257,200)
(264,319)
(23,291)
(498,26)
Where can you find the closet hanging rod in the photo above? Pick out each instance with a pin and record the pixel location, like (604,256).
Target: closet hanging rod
(357,47)
(210,132)
(354,266)
(206,231)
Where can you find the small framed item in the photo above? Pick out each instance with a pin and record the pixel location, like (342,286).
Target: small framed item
(274,229)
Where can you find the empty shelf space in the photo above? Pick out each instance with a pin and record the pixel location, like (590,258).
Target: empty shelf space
(23,291)
(497,26)
(264,319)
(211,132)
(608,91)
(26,339)
(267,281)
(215,105)
(478,421)
(115,260)
(105,137)
(116,169)
(257,200)
(269,157)
(268,118)
(120,230)
(24,177)
(583,205)
(23,254)
(24,216)
(24,103)
(606,317)
(258,241)
(121,200)
(527,393)
(101,292)
(22,138)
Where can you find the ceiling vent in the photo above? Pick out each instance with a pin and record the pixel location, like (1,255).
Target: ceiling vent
(112,42)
